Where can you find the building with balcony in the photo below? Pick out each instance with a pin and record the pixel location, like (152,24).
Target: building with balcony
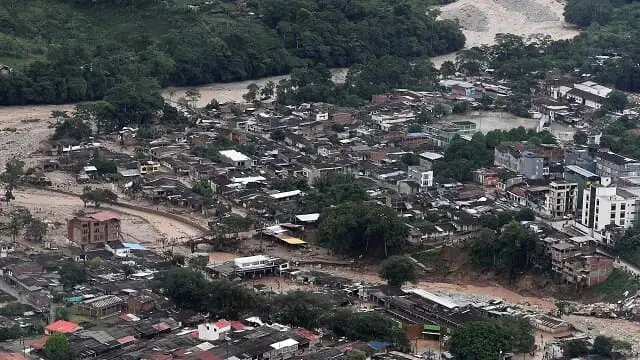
(94,229)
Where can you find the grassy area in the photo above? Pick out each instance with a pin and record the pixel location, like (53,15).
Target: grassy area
(433,260)
(614,287)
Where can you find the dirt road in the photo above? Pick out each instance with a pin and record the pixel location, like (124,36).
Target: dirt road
(60,204)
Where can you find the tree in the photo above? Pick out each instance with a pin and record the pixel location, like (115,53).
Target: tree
(71,274)
(13,171)
(356,354)
(192,96)
(62,313)
(414,128)
(580,137)
(574,349)
(268,90)
(485,340)
(448,68)
(72,128)
(397,270)
(362,229)
(203,188)
(199,262)
(97,196)
(585,12)
(299,309)
(95,263)
(615,101)
(603,346)
(252,93)
(57,347)
(36,230)
(410,159)
(277,135)
(14,227)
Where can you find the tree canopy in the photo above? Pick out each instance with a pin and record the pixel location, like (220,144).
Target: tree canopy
(120,50)
(512,251)
(72,273)
(484,340)
(398,270)
(362,229)
(57,347)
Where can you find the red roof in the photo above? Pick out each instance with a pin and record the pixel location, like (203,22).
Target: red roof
(222,324)
(11,356)
(105,215)
(206,355)
(237,325)
(307,334)
(126,340)
(62,327)
(39,344)
(161,326)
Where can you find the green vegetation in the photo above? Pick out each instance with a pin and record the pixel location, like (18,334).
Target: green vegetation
(512,251)
(333,189)
(433,260)
(484,340)
(357,228)
(36,230)
(497,221)
(71,274)
(621,136)
(398,270)
(13,171)
(97,196)
(616,285)
(574,349)
(69,51)
(203,188)
(189,289)
(462,156)
(57,347)
(606,25)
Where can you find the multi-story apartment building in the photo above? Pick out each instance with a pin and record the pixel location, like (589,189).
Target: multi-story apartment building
(94,229)
(616,166)
(604,206)
(525,163)
(562,199)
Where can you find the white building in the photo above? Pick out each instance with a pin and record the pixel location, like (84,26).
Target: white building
(422,176)
(236,158)
(213,331)
(561,200)
(604,206)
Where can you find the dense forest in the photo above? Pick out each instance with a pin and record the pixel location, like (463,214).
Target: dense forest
(72,50)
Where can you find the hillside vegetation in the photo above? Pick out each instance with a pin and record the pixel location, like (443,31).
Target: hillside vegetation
(73,50)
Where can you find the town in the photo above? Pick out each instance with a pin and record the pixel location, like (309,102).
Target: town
(253,231)
(319,179)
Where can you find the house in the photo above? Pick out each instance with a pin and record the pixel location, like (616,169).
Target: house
(61,327)
(94,229)
(615,166)
(526,163)
(421,175)
(589,94)
(428,158)
(235,159)
(213,331)
(99,307)
(149,167)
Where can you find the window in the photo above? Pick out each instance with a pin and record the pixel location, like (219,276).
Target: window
(621,222)
(623,207)
(613,207)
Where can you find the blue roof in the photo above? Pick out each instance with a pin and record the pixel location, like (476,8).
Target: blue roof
(133,246)
(416,134)
(379,345)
